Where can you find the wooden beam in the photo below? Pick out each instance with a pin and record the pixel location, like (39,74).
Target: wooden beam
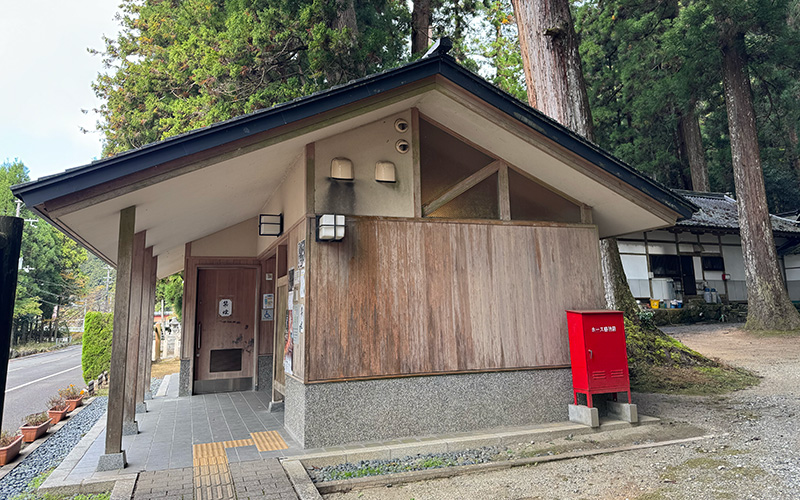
(503,195)
(415,161)
(462,187)
(586,213)
(311,155)
(134,333)
(119,342)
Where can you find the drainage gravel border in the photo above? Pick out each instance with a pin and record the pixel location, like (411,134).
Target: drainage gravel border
(52,451)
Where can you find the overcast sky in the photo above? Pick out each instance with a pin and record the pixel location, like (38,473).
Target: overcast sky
(46,81)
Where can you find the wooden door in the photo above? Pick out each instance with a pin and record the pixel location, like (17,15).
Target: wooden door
(224,334)
(281,336)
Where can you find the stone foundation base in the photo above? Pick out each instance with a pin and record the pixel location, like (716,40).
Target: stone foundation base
(185,379)
(335,413)
(130,428)
(112,461)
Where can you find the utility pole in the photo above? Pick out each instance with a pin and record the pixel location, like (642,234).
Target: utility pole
(10,242)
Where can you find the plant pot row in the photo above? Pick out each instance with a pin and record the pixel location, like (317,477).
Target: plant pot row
(30,433)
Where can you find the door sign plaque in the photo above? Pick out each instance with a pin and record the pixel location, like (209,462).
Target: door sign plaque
(225,307)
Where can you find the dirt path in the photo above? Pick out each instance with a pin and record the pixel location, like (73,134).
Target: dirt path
(755,454)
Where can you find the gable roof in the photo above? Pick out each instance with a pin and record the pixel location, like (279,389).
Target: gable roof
(108,169)
(719,211)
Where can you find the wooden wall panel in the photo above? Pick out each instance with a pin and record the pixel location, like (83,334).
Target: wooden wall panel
(401,297)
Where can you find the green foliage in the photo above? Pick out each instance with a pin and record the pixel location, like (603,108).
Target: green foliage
(51,275)
(96,354)
(182,64)
(170,290)
(499,47)
(647,64)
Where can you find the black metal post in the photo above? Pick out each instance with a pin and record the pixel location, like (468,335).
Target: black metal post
(10,241)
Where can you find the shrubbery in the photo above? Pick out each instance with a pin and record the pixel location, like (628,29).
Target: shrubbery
(96,355)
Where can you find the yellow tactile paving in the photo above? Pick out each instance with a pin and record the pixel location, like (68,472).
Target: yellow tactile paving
(238,442)
(212,477)
(268,441)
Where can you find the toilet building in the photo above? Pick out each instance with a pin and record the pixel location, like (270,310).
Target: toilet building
(387,258)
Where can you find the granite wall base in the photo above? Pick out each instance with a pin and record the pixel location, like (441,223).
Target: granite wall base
(336,413)
(265,373)
(185,378)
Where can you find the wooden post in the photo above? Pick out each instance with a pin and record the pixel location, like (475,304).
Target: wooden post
(129,425)
(114,457)
(151,314)
(145,327)
(10,242)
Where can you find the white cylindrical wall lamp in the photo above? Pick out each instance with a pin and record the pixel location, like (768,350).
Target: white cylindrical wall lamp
(385,172)
(342,169)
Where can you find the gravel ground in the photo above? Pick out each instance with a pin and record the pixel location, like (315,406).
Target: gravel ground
(53,451)
(754,454)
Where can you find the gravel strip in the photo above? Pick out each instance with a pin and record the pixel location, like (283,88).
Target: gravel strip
(50,454)
(155,383)
(405,464)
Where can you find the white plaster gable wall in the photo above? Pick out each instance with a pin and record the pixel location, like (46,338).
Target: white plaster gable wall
(288,198)
(365,146)
(236,241)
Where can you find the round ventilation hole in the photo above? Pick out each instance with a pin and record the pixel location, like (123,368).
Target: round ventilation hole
(400,125)
(402,146)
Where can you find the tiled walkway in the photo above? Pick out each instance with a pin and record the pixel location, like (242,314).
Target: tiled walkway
(204,447)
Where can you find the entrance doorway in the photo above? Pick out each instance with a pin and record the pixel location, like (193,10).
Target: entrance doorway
(281,337)
(224,333)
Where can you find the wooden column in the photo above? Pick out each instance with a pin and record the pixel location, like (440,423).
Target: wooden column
(119,342)
(151,313)
(145,327)
(129,425)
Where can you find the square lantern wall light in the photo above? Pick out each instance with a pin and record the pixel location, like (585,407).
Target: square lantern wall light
(270,225)
(330,227)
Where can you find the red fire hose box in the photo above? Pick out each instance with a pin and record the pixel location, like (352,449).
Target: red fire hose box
(598,354)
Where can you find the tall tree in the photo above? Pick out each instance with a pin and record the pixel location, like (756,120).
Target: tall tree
(556,87)
(420,26)
(769,307)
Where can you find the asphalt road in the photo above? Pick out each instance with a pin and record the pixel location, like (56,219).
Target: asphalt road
(32,380)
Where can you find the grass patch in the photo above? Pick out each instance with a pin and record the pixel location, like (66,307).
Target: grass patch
(33,494)
(165,367)
(692,380)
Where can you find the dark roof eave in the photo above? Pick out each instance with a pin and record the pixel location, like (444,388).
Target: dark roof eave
(37,192)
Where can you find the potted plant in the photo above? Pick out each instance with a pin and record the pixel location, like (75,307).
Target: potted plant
(58,409)
(34,426)
(9,446)
(72,396)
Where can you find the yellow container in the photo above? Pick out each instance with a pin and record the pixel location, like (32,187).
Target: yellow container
(653,304)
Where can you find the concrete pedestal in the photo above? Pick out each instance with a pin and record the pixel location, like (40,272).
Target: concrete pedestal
(581,414)
(623,411)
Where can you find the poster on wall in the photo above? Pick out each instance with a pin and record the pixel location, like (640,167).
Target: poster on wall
(268,301)
(301,254)
(302,283)
(290,278)
(301,319)
(289,348)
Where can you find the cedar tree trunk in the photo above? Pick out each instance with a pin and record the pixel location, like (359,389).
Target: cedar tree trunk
(556,87)
(692,142)
(769,307)
(420,26)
